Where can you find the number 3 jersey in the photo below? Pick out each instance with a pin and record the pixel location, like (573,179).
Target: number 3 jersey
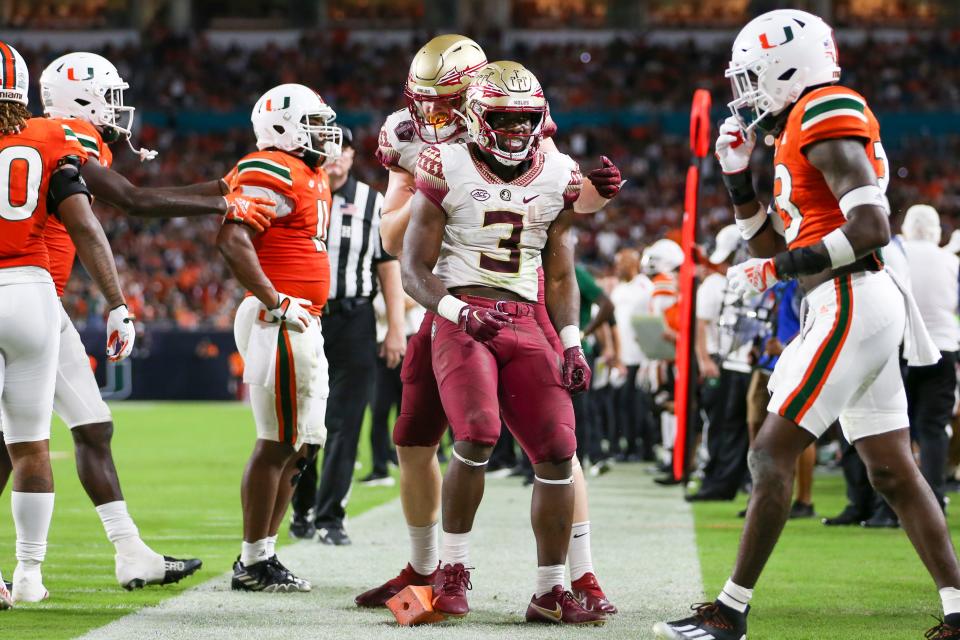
(495,230)
(804,201)
(293,251)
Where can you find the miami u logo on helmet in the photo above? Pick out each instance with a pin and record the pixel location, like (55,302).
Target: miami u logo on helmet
(788,36)
(269,106)
(73,75)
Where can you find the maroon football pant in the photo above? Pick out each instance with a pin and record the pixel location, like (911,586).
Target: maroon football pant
(517,374)
(421,421)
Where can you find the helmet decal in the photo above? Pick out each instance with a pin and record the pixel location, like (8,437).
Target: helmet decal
(269,105)
(788,36)
(72,75)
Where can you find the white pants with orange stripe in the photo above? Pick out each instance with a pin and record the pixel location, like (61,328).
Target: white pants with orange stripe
(291,404)
(845,363)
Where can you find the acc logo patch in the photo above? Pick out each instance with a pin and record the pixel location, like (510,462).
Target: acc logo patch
(405,131)
(505,195)
(480,194)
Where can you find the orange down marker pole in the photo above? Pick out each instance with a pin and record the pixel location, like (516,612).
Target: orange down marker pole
(685,403)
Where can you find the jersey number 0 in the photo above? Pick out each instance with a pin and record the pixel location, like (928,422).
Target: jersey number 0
(21,171)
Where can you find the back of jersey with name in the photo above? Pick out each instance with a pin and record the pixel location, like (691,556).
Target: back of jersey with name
(27,160)
(495,231)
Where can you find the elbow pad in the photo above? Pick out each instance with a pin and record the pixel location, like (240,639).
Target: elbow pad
(800,262)
(65,181)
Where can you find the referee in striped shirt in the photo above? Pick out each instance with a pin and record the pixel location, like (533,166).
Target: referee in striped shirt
(358,264)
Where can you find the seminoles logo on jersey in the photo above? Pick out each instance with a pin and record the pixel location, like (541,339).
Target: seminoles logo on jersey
(75,75)
(455,76)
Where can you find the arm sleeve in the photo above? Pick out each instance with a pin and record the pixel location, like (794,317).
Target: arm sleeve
(429,177)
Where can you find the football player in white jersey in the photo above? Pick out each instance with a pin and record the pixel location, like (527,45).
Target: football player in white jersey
(486,214)
(435,91)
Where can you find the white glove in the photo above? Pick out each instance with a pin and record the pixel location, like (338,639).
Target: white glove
(291,311)
(733,147)
(120,333)
(755,275)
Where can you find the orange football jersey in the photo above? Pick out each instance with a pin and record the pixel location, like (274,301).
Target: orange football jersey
(27,159)
(59,244)
(665,298)
(293,251)
(804,201)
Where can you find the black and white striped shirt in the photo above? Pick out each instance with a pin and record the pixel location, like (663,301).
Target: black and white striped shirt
(353,240)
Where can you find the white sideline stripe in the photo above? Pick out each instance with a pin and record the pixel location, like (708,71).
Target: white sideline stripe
(644,552)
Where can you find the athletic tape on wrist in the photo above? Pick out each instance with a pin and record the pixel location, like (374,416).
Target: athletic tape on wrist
(750,227)
(839,248)
(570,336)
(545,481)
(450,308)
(469,463)
(869,194)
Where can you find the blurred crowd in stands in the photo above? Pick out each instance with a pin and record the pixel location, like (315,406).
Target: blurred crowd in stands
(179,280)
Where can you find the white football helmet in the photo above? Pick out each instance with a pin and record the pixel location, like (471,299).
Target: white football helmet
(775,58)
(663,256)
(295,119)
(88,87)
(922,222)
(14,75)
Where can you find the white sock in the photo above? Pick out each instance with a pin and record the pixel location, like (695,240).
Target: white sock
(121,530)
(579,556)
(32,513)
(254,552)
(735,596)
(424,548)
(455,548)
(548,577)
(271,546)
(951,600)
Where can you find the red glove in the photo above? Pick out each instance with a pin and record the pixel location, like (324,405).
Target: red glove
(481,323)
(256,213)
(606,179)
(576,371)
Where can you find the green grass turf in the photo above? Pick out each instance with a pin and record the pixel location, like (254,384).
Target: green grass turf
(179,466)
(842,582)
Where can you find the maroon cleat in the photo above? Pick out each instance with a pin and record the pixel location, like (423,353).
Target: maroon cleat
(560,607)
(378,596)
(587,590)
(450,585)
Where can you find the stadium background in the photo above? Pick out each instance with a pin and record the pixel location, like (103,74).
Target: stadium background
(619,75)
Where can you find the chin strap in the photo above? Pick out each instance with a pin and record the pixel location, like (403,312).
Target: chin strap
(145,154)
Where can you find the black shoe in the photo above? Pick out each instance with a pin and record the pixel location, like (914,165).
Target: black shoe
(667,481)
(801,510)
(176,569)
(378,479)
(301,526)
(335,536)
(943,631)
(710,620)
(268,575)
(881,520)
(848,517)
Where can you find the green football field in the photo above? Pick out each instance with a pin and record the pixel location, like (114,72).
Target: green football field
(180,465)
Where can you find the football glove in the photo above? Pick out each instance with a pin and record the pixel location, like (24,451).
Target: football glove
(606,180)
(256,213)
(576,371)
(482,324)
(755,275)
(292,312)
(733,148)
(120,333)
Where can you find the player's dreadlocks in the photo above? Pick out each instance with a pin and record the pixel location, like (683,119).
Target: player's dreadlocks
(13,117)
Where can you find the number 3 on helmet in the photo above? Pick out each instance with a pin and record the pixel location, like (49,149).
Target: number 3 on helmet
(295,119)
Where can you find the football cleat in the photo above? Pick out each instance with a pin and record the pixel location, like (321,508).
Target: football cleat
(6,600)
(587,590)
(301,525)
(450,585)
(943,631)
(334,536)
(304,584)
(158,570)
(378,596)
(268,575)
(560,607)
(28,586)
(713,620)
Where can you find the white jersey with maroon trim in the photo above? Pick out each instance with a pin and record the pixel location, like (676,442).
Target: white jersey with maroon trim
(495,230)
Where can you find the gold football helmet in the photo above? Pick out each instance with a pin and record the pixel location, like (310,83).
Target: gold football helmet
(439,76)
(499,89)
